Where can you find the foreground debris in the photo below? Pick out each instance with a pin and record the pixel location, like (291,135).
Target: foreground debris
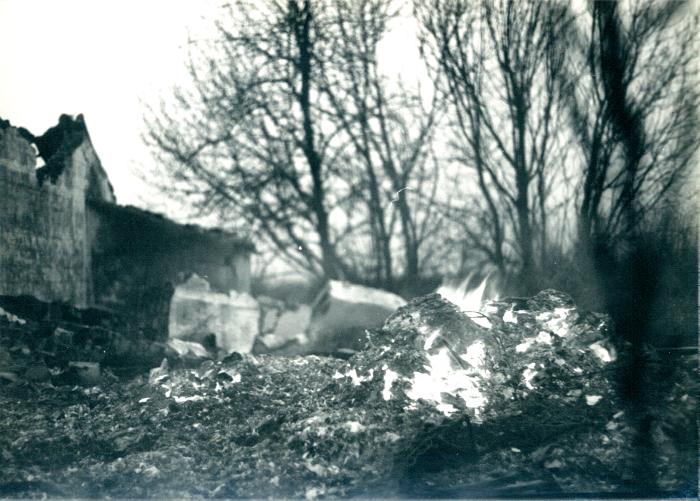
(521,403)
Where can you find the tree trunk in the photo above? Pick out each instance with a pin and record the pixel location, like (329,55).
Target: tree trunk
(302,19)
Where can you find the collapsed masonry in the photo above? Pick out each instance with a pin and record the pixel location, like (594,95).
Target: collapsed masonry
(63,237)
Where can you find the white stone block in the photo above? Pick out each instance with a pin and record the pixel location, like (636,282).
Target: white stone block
(196,312)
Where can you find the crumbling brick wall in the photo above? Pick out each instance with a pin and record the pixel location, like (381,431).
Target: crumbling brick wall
(44,251)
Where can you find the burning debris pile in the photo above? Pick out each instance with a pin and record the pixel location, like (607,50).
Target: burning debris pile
(461,366)
(520,403)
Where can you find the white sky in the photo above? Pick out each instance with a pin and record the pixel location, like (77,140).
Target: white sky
(96,57)
(106,59)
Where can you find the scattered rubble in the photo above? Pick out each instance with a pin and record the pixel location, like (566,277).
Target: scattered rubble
(435,406)
(59,344)
(284,328)
(334,323)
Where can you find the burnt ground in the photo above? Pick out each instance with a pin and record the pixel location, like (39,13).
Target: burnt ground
(287,429)
(315,427)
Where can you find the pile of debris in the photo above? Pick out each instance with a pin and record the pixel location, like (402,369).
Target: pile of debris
(522,403)
(54,343)
(61,344)
(219,324)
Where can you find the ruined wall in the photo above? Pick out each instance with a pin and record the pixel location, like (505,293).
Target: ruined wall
(138,257)
(64,238)
(44,251)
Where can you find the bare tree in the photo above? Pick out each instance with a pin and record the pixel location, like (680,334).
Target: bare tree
(497,63)
(633,108)
(389,133)
(251,105)
(632,98)
(289,126)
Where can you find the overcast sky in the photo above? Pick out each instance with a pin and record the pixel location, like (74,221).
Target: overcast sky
(101,58)
(106,59)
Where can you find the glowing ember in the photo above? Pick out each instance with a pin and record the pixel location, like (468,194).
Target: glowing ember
(524,346)
(476,356)
(430,339)
(509,317)
(352,374)
(543,338)
(603,354)
(354,426)
(528,375)
(593,399)
(557,320)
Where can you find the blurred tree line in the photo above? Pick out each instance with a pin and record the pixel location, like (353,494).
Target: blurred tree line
(552,145)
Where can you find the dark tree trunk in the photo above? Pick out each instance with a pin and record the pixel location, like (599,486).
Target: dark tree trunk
(629,280)
(302,20)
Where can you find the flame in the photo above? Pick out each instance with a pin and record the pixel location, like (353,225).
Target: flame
(441,378)
(464,298)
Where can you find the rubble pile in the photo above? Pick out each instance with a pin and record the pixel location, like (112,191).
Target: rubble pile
(57,344)
(516,399)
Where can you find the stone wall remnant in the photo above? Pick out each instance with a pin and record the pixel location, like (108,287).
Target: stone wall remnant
(63,238)
(44,249)
(197,312)
(135,252)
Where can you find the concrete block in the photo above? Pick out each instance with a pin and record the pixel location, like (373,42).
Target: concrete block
(196,312)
